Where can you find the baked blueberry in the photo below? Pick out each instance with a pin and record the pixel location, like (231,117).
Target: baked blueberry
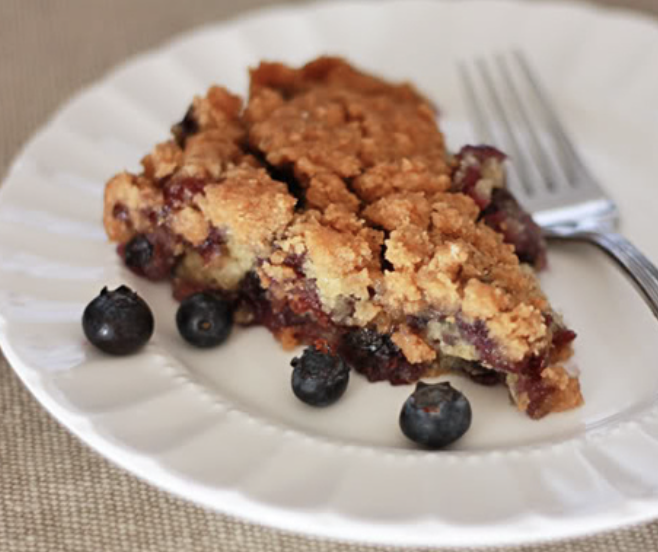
(118,322)
(186,128)
(139,252)
(319,378)
(435,415)
(204,320)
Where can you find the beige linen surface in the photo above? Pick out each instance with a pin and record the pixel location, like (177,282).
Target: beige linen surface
(56,495)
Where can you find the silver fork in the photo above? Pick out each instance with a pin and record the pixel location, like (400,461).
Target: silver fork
(548,176)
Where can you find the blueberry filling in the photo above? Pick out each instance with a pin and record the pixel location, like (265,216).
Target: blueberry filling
(149,255)
(187,127)
(138,252)
(374,355)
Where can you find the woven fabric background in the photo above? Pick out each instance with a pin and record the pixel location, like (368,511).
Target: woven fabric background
(56,495)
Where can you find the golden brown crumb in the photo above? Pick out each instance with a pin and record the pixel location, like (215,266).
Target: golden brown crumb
(219,109)
(446,266)
(125,195)
(398,210)
(326,189)
(163,161)
(407,175)
(191,225)
(329,119)
(412,346)
(288,339)
(561,391)
(248,206)
(567,394)
(339,253)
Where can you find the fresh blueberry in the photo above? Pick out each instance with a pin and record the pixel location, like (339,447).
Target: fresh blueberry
(435,415)
(204,320)
(139,252)
(118,322)
(319,378)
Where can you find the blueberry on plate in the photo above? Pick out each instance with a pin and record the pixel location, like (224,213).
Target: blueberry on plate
(204,320)
(435,415)
(319,378)
(118,322)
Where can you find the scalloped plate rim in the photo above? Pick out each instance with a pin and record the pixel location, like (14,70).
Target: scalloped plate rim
(249,509)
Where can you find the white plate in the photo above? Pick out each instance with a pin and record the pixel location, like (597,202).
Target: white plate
(222,428)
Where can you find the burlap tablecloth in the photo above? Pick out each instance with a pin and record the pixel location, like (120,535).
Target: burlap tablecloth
(56,495)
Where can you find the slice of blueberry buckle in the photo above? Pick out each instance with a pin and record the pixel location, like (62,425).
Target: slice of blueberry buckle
(328,210)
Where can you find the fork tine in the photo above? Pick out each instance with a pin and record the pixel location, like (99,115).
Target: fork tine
(520,162)
(482,126)
(569,157)
(546,170)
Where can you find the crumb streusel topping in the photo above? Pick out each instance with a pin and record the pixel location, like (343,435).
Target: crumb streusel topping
(346,136)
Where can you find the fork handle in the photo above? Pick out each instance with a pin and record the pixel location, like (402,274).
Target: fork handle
(639,268)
